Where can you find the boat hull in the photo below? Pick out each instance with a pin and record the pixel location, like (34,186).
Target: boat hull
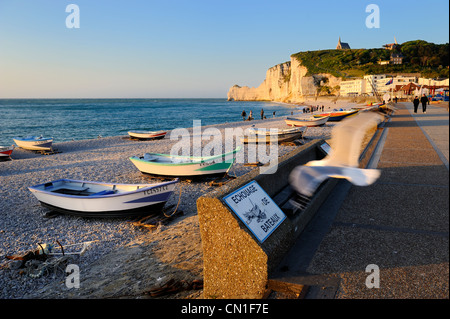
(181,169)
(6,151)
(267,139)
(281,136)
(184,166)
(135,212)
(70,197)
(35,144)
(311,122)
(144,135)
(337,116)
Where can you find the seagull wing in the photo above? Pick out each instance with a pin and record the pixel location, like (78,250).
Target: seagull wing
(347,138)
(306,179)
(360,176)
(343,160)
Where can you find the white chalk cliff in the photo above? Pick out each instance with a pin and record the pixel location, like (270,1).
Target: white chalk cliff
(285,82)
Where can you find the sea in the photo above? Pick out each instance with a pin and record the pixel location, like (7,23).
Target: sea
(81,119)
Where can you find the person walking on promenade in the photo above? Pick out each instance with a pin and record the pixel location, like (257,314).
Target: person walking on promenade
(424,101)
(243,114)
(416,104)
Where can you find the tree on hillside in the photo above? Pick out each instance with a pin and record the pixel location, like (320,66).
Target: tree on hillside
(423,53)
(419,56)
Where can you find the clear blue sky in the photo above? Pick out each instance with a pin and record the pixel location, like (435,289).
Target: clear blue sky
(185,48)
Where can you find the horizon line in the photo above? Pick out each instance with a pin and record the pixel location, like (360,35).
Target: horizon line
(107,98)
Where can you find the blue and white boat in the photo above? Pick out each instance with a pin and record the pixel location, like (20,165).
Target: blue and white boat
(34,143)
(96,199)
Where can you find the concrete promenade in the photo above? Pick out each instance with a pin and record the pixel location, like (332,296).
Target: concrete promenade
(399,225)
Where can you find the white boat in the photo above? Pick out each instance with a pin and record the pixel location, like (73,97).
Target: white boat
(34,143)
(337,115)
(96,199)
(310,121)
(5,151)
(173,165)
(265,135)
(147,134)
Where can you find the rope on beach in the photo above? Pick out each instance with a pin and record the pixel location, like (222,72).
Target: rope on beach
(176,208)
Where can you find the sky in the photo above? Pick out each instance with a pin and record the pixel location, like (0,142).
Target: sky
(186,48)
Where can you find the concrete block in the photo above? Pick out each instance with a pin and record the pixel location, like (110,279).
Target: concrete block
(236,264)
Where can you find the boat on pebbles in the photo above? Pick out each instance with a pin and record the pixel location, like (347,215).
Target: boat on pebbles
(177,165)
(337,115)
(97,199)
(258,135)
(34,143)
(6,151)
(147,135)
(309,122)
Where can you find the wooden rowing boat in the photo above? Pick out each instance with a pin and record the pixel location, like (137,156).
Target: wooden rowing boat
(336,116)
(175,165)
(310,121)
(145,135)
(259,135)
(34,143)
(97,199)
(6,151)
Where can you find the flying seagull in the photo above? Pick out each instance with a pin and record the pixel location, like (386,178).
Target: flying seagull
(343,159)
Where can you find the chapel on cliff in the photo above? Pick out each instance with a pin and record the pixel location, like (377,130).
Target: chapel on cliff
(342,45)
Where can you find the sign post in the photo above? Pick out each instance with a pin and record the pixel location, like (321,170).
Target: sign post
(255,209)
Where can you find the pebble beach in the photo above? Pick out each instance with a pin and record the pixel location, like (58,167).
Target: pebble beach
(171,250)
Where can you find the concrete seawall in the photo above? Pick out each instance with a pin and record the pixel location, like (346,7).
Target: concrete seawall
(236,264)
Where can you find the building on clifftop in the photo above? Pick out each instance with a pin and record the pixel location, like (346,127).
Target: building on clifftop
(342,45)
(391,46)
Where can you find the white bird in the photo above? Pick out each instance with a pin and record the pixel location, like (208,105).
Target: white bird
(343,159)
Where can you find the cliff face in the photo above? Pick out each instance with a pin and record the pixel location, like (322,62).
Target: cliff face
(286,82)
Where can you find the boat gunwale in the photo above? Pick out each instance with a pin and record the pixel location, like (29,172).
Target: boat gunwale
(139,190)
(280,132)
(146,134)
(32,139)
(336,114)
(310,119)
(135,158)
(201,160)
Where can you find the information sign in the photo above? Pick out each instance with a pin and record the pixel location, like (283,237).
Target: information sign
(256,210)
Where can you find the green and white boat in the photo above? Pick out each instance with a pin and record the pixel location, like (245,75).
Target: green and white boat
(177,165)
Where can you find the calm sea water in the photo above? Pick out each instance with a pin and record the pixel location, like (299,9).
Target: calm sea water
(78,119)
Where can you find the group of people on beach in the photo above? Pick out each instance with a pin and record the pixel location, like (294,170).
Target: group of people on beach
(424,100)
(309,109)
(312,109)
(250,115)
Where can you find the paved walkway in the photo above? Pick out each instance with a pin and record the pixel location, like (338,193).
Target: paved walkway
(399,225)
(434,125)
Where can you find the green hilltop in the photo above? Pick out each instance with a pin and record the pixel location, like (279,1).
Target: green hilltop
(429,59)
